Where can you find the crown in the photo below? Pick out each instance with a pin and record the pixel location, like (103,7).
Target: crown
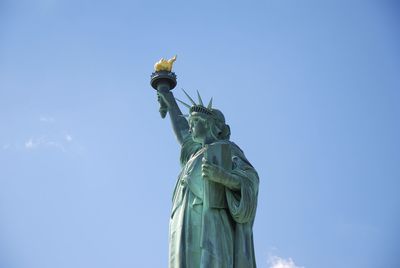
(200,109)
(197,108)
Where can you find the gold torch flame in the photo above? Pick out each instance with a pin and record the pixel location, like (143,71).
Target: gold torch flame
(164,65)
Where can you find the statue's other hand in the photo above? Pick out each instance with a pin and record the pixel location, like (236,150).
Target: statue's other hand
(220,175)
(212,172)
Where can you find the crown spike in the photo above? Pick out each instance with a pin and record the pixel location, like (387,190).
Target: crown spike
(209,106)
(187,95)
(199,97)
(187,105)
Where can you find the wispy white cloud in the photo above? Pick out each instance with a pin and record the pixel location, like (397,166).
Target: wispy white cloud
(31,144)
(278,262)
(50,135)
(35,143)
(46,119)
(68,138)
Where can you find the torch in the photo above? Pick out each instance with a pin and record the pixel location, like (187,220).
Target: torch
(163,80)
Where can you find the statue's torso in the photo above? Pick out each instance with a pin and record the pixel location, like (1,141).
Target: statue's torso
(194,242)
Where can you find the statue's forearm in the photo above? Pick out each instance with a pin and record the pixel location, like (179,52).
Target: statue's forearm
(230,180)
(179,123)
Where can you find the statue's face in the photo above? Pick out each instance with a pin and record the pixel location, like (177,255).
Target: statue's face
(198,126)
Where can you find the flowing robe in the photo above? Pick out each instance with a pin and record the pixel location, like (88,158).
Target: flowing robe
(215,237)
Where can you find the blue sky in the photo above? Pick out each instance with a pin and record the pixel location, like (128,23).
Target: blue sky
(309,88)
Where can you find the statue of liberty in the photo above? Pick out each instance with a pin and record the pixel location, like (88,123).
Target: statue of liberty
(215,197)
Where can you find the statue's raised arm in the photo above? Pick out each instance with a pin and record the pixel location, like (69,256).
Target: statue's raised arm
(164,80)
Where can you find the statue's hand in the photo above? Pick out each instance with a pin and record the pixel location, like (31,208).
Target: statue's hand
(165,97)
(211,172)
(220,175)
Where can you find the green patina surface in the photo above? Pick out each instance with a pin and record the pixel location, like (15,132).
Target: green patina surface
(215,197)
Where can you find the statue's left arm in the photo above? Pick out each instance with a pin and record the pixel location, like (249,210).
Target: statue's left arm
(241,187)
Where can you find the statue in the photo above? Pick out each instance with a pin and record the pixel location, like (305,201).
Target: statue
(215,197)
